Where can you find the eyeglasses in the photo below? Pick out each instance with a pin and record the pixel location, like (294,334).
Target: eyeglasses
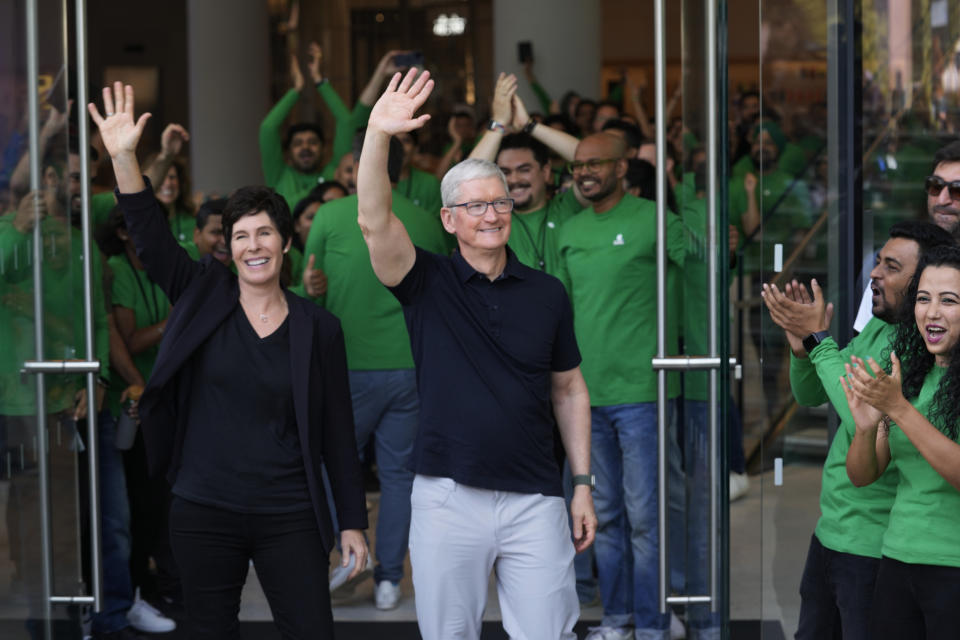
(477,208)
(592,164)
(934,187)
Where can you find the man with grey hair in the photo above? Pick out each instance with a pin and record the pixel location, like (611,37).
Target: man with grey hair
(497,369)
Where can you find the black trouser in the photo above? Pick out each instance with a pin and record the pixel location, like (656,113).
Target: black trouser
(916,601)
(213,548)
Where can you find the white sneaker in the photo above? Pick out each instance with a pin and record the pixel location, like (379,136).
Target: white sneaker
(609,633)
(144,617)
(739,485)
(340,584)
(386,595)
(677,630)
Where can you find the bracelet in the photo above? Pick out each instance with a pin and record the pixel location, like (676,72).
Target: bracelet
(496,126)
(530,126)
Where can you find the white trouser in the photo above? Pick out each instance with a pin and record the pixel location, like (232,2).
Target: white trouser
(458,533)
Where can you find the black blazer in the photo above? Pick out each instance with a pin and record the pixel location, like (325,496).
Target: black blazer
(203,295)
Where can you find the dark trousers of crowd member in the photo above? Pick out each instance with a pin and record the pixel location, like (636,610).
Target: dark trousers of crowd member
(836,595)
(149,505)
(916,601)
(213,548)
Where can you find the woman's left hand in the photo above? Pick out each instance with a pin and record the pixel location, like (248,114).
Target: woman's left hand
(880,390)
(353,542)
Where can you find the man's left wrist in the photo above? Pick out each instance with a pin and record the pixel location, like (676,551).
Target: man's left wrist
(587,480)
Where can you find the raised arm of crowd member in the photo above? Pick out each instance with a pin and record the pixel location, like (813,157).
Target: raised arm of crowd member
(172,139)
(501,112)
(454,152)
(392,254)
(345,124)
(371,91)
(564,144)
(643,120)
(55,124)
(546,104)
(750,219)
(272,159)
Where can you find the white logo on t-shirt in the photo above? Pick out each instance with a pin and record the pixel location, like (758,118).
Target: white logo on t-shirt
(618,241)
(551,225)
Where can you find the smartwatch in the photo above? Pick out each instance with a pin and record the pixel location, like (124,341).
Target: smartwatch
(493,125)
(815,338)
(587,479)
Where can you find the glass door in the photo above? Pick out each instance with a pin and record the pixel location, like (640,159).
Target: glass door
(46,330)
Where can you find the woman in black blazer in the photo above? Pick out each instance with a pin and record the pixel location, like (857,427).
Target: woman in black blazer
(248,398)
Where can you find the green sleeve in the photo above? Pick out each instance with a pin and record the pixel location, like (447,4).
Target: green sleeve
(344,128)
(816,380)
(13,251)
(616,94)
(271,142)
(805,383)
(542,96)
(676,243)
(101,204)
(101,330)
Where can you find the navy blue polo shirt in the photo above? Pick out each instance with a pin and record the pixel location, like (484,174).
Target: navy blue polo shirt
(484,351)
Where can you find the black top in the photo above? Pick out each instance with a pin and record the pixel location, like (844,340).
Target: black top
(484,352)
(241,450)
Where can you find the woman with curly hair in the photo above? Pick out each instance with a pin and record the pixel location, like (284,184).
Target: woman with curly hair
(909,416)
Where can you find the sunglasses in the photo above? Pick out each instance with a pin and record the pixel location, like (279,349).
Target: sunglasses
(934,187)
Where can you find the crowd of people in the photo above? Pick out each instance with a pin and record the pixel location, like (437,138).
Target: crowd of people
(475,321)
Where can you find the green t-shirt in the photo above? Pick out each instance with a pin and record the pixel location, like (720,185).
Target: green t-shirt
(297,263)
(62,309)
(293,185)
(608,264)
(533,235)
(423,190)
(191,249)
(372,319)
(852,519)
(101,204)
(793,214)
(925,517)
(182,224)
(133,289)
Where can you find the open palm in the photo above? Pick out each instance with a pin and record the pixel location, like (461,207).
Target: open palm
(394,111)
(119,130)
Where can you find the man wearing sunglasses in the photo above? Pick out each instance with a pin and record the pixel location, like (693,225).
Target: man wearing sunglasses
(496,359)
(608,262)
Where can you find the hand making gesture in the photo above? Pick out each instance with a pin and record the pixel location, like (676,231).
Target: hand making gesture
(121,133)
(394,111)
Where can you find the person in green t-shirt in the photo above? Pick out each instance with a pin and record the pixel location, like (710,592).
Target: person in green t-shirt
(292,165)
(419,187)
(908,414)
(836,589)
(168,171)
(608,264)
(303,215)
(383,382)
(208,233)
(525,163)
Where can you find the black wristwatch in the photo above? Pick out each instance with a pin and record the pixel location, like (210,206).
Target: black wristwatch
(811,341)
(587,479)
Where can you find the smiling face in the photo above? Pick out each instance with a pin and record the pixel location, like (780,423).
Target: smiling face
(945,211)
(210,239)
(305,150)
(344,173)
(891,276)
(478,233)
(169,189)
(937,311)
(301,226)
(525,177)
(606,177)
(257,249)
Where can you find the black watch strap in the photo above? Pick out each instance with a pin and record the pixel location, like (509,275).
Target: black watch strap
(815,338)
(587,479)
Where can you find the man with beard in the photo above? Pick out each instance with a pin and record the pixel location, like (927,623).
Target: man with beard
(344,173)
(608,262)
(208,233)
(943,207)
(525,163)
(836,590)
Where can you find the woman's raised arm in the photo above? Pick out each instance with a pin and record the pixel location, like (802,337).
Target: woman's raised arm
(120,134)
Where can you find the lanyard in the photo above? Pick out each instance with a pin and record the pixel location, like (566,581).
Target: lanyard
(538,249)
(153,311)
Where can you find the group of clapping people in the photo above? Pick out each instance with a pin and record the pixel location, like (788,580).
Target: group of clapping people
(261,491)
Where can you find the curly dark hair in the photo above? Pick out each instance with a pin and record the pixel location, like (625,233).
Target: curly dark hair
(916,361)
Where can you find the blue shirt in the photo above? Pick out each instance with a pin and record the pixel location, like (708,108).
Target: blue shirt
(484,352)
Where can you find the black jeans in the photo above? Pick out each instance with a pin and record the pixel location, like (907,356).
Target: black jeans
(836,594)
(916,601)
(213,548)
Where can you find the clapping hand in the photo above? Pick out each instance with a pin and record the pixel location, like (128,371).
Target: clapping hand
(503,93)
(874,386)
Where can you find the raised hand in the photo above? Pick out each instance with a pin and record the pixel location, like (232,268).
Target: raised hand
(520,115)
(56,121)
(800,319)
(31,210)
(172,140)
(315,57)
(394,111)
(387,67)
(296,76)
(119,130)
(314,279)
(750,183)
(503,92)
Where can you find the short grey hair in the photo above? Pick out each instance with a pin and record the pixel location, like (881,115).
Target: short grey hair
(469,169)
